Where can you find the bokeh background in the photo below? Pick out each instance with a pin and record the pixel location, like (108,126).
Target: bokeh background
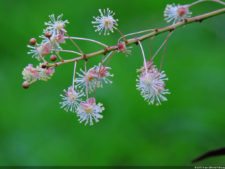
(35,131)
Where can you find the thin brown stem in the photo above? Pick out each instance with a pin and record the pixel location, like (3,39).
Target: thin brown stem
(122,35)
(75,44)
(162,45)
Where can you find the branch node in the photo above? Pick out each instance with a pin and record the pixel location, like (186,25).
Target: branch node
(85,57)
(106,50)
(199,20)
(172,29)
(185,20)
(137,40)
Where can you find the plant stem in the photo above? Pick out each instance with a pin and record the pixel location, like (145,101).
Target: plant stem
(200,1)
(135,33)
(75,44)
(90,40)
(69,51)
(74,74)
(144,58)
(164,42)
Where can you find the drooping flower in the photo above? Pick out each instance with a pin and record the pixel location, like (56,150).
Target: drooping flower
(90,112)
(56,25)
(105,22)
(151,84)
(71,99)
(94,78)
(40,50)
(175,13)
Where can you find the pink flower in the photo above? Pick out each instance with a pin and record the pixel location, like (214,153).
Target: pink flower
(90,112)
(71,99)
(30,73)
(94,78)
(151,84)
(60,38)
(49,71)
(44,49)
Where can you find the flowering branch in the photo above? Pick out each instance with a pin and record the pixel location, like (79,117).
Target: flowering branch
(154,32)
(151,81)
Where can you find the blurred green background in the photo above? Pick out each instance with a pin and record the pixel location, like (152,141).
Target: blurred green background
(35,131)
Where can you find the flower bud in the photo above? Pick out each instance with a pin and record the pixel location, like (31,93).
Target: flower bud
(121,47)
(48,35)
(182,11)
(53,58)
(32,41)
(25,85)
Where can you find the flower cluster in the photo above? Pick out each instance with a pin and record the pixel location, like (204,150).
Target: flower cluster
(72,100)
(51,40)
(151,83)
(54,35)
(32,74)
(94,78)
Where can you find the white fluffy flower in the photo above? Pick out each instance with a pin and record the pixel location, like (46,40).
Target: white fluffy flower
(175,13)
(40,50)
(71,99)
(151,84)
(90,112)
(102,75)
(56,30)
(56,25)
(94,78)
(105,22)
